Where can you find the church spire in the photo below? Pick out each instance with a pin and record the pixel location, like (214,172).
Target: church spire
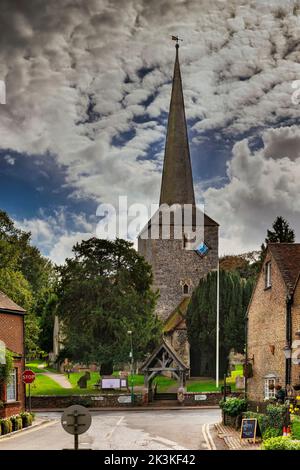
(177,180)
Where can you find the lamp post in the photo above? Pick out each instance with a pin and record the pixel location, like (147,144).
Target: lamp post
(131,357)
(288,355)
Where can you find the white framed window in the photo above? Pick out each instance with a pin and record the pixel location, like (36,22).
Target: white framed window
(268,275)
(270,391)
(11,388)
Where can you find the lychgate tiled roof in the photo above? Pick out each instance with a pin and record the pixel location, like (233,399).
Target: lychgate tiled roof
(7,304)
(287,257)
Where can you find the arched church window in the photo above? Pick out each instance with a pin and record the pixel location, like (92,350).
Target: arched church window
(185,288)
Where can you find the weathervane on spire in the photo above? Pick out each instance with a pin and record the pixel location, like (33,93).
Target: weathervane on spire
(177,39)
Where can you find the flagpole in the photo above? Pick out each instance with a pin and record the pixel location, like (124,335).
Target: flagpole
(218,325)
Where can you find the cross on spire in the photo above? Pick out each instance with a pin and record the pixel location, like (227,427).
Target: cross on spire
(177,39)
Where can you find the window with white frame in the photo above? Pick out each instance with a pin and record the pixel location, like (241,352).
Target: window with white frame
(11,388)
(268,277)
(270,391)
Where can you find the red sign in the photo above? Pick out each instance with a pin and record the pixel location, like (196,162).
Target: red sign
(28,376)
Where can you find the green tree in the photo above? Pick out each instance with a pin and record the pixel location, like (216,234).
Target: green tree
(17,253)
(25,276)
(281,233)
(235,294)
(103,292)
(15,286)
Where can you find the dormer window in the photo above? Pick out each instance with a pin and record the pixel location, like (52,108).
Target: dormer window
(268,275)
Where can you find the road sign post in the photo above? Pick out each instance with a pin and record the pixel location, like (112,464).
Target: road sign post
(76,420)
(28,377)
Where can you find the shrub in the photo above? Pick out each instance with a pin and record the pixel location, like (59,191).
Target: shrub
(6,426)
(7,368)
(280,443)
(16,422)
(233,406)
(296,427)
(27,419)
(276,415)
(271,423)
(272,432)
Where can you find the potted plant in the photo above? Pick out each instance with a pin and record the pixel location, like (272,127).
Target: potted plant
(232,409)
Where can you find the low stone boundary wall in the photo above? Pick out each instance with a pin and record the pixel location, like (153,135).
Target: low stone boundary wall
(111,400)
(116,400)
(205,399)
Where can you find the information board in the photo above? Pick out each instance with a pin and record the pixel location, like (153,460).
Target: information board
(250,429)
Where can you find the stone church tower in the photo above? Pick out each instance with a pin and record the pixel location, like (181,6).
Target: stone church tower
(176,269)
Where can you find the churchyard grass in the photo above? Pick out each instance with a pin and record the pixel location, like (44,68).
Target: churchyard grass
(44,385)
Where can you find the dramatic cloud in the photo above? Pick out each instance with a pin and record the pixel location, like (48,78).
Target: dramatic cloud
(88,83)
(261,186)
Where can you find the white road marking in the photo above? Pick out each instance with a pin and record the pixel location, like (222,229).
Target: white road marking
(108,436)
(212,444)
(162,440)
(205,436)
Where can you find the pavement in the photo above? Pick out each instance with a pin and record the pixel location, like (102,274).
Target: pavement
(59,378)
(122,430)
(232,439)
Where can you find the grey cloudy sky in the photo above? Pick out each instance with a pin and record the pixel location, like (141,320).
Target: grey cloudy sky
(88,89)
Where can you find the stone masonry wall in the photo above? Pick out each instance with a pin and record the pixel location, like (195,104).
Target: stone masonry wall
(266,329)
(109,400)
(173,265)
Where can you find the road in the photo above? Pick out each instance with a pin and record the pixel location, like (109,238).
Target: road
(123,430)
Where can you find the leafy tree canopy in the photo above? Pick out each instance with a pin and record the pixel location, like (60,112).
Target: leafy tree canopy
(25,276)
(17,254)
(103,292)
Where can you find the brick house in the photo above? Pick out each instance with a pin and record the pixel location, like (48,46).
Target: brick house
(274,322)
(12,335)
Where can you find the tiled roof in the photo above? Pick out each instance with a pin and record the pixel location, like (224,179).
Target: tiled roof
(177,316)
(7,304)
(287,257)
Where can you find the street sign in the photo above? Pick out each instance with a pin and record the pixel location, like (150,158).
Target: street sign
(124,399)
(76,420)
(28,376)
(200,397)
